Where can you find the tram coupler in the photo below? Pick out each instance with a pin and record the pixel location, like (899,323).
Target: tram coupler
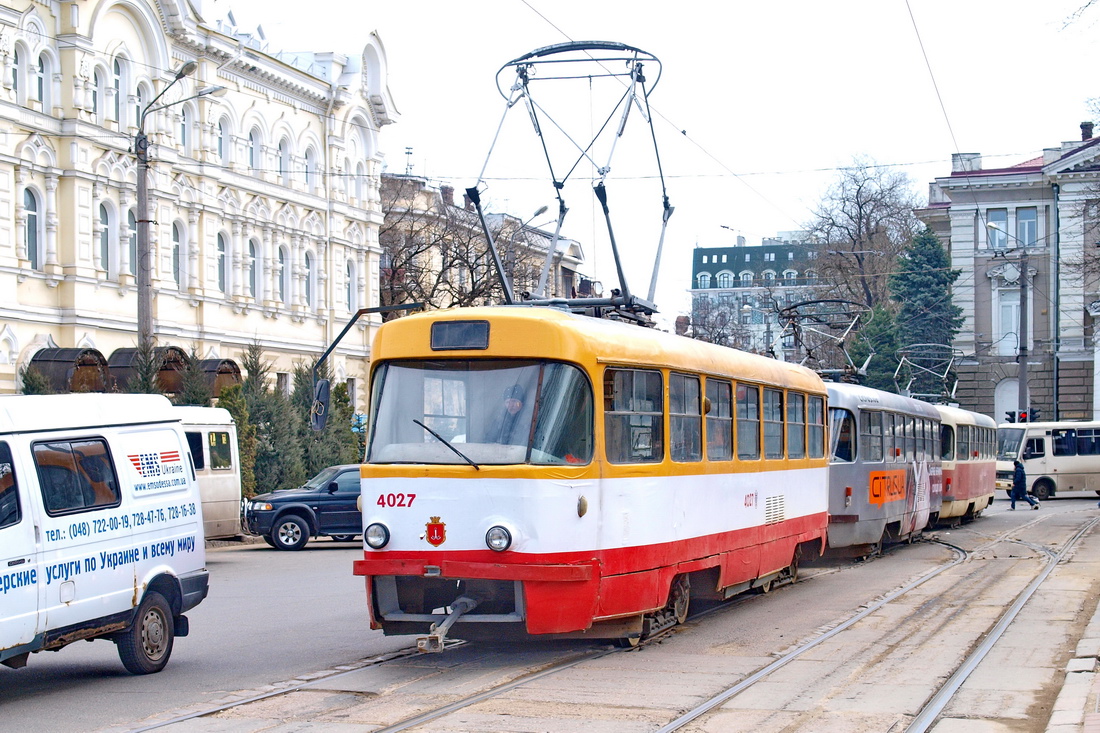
(433,642)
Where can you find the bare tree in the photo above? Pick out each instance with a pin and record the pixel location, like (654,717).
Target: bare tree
(436,253)
(863,222)
(718,321)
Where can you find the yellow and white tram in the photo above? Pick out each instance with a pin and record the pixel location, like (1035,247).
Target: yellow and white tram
(531,470)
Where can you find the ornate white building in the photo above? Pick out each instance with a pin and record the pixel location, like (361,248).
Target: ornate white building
(264,202)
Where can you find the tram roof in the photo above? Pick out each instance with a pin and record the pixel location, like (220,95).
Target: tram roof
(957,415)
(536,332)
(842,394)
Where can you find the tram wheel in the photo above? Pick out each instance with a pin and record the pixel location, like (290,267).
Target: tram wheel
(628,642)
(681,598)
(765,587)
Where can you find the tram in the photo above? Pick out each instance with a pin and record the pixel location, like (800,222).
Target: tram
(885,471)
(533,471)
(968,452)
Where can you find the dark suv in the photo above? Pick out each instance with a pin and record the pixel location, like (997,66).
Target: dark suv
(327,504)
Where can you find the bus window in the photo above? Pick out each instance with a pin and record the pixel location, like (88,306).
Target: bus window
(815,426)
(842,428)
(719,421)
(748,422)
(796,425)
(221,453)
(871,434)
(1065,443)
(947,443)
(194,442)
(773,423)
(1035,448)
(685,418)
(1088,441)
(634,415)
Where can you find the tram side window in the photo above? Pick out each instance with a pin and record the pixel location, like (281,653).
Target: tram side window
(871,429)
(947,443)
(1065,442)
(633,415)
(773,423)
(843,428)
(796,425)
(966,442)
(815,424)
(10,510)
(748,422)
(685,418)
(889,445)
(719,421)
(563,428)
(910,432)
(1088,441)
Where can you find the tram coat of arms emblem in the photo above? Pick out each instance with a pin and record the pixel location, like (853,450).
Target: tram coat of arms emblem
(436,533)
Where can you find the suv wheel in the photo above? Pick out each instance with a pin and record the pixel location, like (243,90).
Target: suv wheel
(343,537)
(289,533)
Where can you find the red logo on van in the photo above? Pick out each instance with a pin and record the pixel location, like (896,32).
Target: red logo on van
(437,532)
(149,464)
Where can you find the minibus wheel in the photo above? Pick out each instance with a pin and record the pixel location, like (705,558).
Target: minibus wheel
(145,647)
(1042,490)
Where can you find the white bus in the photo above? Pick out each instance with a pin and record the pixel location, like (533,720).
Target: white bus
(1057,456)
(212,437)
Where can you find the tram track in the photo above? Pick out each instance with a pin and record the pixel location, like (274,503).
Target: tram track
(971,585)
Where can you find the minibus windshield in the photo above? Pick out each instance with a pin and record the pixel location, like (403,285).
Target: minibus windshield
(1008,443)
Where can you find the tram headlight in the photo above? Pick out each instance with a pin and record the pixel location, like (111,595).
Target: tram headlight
(498,538)
(376,536)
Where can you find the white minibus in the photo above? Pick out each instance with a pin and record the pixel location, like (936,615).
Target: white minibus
(1057,456)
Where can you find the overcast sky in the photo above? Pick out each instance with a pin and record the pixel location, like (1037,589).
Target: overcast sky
(758,106)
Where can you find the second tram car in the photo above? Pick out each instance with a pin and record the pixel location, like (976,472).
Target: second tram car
(968,451)
(533,471)
(885,482)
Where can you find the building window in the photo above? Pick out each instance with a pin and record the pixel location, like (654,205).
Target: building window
(117,84)
(746,279)
(704,279)
(16,70)
(281,276)
(254,150)
(309,284)
(1007,327)
(223,141)
(769,256)
(177,252)
(704,259)
(222,252)
(1027,226)
(282,383)
(251,265)
(311,169)
(131,226)
(350,287)
(747,257)
(723,258)
(42,82)
(32,233)
(139,103)
(284,161)
(997,231)
(725,280)
(104,239)
(185,131)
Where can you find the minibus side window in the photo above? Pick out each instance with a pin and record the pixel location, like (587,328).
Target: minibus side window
(194,442)
(1035,448)
(221,454)
(1065,442)
(10,510)
(75,475)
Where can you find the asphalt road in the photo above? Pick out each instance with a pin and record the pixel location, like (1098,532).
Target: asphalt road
(270,617)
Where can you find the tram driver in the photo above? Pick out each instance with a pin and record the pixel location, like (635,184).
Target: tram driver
(508,428)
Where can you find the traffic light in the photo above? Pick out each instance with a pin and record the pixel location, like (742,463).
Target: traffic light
(1034,414)
(1023,416)
(1010,415)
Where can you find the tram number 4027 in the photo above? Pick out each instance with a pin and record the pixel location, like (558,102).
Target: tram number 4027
(395,500)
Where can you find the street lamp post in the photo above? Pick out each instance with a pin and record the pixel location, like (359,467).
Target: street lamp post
(144,253)
(1022,399)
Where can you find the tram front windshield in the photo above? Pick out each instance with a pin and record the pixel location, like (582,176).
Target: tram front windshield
(480,412)
(1008,443)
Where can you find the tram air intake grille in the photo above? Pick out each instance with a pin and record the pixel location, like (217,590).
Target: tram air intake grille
(775,509)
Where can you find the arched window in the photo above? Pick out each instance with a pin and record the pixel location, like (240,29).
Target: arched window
(223,141)
(311,169)
(350,287)
(42,82)
(185,130)
(254,150)
(746,279)
(140,98)
(281,276)
(16,71)
(222,252)
(32,233)
(104,239)
(99,94)
(704,279)
(117,73)
(131,223)
(725,280)
(284,161)
(359,182)
(177,252)
(251,265)
(309,285)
